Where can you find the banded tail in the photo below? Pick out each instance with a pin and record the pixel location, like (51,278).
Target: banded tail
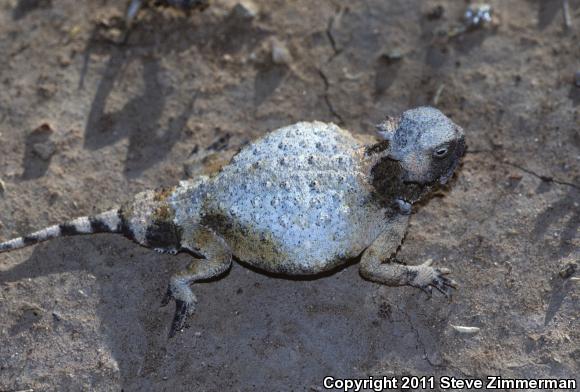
(106,222)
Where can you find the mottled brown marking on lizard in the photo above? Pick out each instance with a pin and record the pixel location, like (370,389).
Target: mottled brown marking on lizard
(163,193)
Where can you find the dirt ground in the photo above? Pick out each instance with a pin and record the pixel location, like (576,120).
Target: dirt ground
(86,122)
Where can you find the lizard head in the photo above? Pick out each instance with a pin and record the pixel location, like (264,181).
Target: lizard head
(427,145)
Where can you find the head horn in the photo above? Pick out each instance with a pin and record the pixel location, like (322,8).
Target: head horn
(387,128)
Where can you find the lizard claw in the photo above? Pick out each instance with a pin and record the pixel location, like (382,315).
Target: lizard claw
(184,304)
(182,310)
(427,277)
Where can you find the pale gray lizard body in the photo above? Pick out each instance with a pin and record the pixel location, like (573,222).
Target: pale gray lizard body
(299,201)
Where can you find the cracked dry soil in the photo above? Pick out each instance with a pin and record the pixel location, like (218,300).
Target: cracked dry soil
(86,122)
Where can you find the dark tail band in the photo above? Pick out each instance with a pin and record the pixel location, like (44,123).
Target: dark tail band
(106,222)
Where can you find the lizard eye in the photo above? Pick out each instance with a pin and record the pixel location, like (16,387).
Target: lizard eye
(441,152)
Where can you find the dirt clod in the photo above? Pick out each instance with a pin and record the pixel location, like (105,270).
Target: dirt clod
(568,270)
(280,53)
(245,10)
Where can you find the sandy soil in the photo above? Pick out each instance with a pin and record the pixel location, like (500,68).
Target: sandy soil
(86,122)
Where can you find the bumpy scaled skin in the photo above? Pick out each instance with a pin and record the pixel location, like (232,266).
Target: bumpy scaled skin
(299,201)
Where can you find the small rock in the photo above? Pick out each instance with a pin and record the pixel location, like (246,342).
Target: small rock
(2,187)
(568,270)
(197,334)
(245,10)
(46,90)
(64,60)
(44,150)
(478,15)
(577,78)
(44,128)
(56,316)
(436,13)
(393,55)
(280,53)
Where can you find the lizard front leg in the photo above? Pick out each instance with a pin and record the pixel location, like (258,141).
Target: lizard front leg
(377,263)
(216,258)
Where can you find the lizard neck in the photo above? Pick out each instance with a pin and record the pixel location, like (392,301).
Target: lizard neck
(386,177)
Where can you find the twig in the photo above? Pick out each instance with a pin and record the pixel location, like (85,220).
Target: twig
(437,95)
(566,12)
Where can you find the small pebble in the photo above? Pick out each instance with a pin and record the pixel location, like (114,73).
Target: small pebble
(56,316)
(44,127)
(436,13)
(478,15)
(2,186)
(280,53)
(245,10)
(568,270)
(393,55)
(64,60)
(577,78)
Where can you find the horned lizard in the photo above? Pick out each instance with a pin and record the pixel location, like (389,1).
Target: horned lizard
(301,200)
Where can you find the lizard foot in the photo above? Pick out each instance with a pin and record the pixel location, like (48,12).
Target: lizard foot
(426,277)
(185,301)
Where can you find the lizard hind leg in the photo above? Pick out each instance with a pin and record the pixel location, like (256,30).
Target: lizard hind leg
(216,260)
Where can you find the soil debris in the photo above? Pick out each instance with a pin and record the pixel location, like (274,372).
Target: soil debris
(280,53)
(568,270)
(436,12)
(478,15)
(245,10)
(465,330)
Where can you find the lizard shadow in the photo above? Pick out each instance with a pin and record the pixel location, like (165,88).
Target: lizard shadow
(129,316)
(386,71)
(268,78)
(565,212)
(574,95)
(308,315)
(563,209)
(559,289)
(547,11)
(141,119)
(24,7)
(138,119)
